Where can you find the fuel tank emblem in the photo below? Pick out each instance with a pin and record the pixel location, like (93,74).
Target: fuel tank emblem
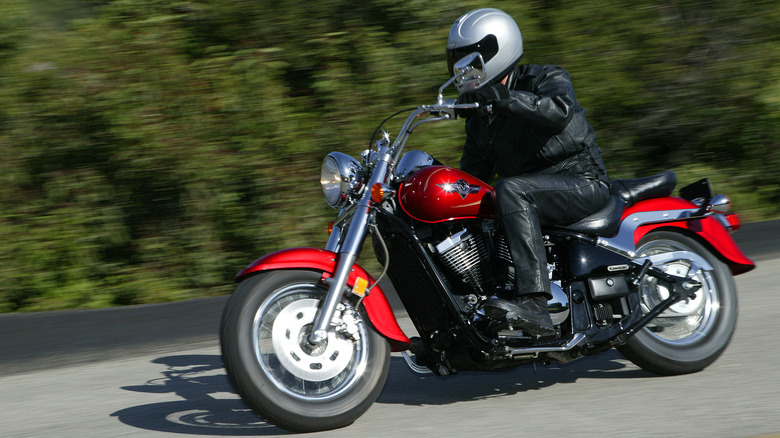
(460,187)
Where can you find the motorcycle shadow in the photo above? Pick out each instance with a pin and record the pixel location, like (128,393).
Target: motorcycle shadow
(409,388)
(209,406)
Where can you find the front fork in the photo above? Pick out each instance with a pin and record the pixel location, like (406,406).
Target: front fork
(348,252)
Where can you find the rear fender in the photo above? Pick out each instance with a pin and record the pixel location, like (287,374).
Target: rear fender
(377,307)
(673,215)
(713,233)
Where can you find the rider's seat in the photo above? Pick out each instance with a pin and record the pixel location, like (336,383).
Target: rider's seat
(624,193)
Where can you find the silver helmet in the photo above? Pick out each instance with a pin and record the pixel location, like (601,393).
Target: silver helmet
(492,33)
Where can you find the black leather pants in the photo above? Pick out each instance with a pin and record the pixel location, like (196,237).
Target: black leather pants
(527,203)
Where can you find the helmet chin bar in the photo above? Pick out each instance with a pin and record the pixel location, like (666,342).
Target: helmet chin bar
(469,84)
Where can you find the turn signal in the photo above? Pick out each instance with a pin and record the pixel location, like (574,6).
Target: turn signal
(360,286)
(719,204)
(330,227)
(380,192)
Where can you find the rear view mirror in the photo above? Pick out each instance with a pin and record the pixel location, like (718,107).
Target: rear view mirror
(469,74)
(471,65)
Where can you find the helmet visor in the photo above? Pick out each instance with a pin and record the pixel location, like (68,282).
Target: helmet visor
(487,47)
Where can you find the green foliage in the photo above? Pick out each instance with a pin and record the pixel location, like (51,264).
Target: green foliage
(150,149)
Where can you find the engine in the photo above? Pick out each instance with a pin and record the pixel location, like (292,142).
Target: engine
(479,260)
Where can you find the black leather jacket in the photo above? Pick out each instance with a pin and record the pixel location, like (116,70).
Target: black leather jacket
(541,128)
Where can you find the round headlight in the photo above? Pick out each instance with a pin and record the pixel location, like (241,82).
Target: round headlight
(330,178)
(341,178)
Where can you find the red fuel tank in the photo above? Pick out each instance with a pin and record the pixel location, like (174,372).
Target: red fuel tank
(441,193)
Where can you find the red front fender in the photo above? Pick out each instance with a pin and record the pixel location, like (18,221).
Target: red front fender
(378,309)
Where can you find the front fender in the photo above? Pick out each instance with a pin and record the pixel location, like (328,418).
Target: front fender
(377,307)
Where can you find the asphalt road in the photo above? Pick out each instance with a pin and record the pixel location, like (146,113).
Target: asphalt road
(155,371)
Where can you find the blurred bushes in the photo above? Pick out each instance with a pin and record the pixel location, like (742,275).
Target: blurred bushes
(150,149)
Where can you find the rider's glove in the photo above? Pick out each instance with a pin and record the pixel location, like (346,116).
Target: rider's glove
(486,95)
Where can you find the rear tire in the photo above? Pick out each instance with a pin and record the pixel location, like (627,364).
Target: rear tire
(691,334)
(279,375)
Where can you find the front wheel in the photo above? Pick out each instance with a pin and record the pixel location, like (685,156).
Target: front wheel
(279,374)
(692,333)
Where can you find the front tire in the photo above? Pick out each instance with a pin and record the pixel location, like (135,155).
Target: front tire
(283,378)
(693,333)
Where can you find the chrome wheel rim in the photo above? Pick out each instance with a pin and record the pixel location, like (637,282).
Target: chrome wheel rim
(687,321)
(280,331)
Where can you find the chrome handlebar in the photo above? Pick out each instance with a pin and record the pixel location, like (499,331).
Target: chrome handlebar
(445,110)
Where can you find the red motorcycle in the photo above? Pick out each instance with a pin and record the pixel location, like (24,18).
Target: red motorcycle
(307,335)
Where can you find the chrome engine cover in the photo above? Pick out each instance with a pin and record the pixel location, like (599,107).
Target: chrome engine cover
(466,255)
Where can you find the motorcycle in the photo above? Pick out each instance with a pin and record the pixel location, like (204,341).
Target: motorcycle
(307,335)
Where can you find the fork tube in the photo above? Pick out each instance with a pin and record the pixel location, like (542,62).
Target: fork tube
(347,255)
(333,240)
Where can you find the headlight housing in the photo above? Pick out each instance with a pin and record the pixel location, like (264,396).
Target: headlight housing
(342,177)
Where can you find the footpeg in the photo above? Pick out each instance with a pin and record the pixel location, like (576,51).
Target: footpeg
(412,364)
(513,335)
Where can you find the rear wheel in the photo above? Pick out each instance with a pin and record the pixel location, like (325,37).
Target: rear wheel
(693,333)
(291,383)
